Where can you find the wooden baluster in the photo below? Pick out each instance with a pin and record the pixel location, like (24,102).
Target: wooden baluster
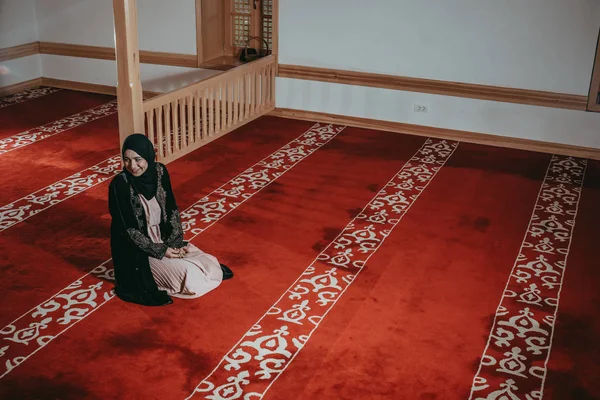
(231,103)
(240,80)
(236,109)
(175,130)
(223,105)
(218,95)
(266,75)
(273,85)
(204,114)
(240,85)
(190,121)
(263,90)
(251,95)
(247,95)
(244,113)
(198,131)
(257,88)
(168,130)
(160,133)
(211,112)
(182,122)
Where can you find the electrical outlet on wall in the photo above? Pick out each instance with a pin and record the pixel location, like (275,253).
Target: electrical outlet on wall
(421,108)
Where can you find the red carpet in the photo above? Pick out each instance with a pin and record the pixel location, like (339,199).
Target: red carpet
(88,293)
(32,113)
(264,352)
(37,134)
(59,148)
(413,324)
(63,234)
(34,203)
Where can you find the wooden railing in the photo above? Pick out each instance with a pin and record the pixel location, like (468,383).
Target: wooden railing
(181,121)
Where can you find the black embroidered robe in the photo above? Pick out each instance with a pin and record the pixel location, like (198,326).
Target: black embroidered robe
(130,243)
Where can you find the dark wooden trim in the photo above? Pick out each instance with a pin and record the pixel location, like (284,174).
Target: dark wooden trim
(458,89)
(593,97)
(451,134)
(108,53)
(23,50)
(19,87)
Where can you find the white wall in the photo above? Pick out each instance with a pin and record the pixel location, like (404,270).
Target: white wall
(168,26)
(534,44)
(17,23)
(17,26)
(156,78)
(162,26)
(20,70)
(85,22)
(505,119)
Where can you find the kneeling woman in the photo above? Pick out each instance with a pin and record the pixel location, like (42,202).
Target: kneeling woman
(152,261)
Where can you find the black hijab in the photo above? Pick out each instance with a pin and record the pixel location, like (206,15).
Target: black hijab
(147,183)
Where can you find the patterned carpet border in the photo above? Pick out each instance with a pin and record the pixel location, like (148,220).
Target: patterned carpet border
(26,95)
(514,362)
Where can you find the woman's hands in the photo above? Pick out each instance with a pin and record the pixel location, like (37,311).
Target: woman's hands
(176,253)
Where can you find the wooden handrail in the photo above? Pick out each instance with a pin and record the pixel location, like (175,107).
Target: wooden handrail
(181,121)
(166,98)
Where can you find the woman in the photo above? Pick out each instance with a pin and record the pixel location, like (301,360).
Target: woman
(152,261)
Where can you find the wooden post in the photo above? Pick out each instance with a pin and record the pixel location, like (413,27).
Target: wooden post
(275,31)
(199,36)
(129,85)
(210,29)
(594,95)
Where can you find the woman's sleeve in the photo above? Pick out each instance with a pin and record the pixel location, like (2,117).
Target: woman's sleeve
(120,210)
(175,239)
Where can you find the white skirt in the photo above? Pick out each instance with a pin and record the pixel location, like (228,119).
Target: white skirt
(190,277)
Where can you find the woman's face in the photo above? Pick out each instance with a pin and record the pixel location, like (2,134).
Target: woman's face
(134,163)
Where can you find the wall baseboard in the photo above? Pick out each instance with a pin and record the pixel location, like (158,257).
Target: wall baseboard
(108,53)
(23,50)
(19,87)
(451,134)
(457,89)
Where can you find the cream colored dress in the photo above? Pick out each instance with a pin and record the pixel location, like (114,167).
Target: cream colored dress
(190,277)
